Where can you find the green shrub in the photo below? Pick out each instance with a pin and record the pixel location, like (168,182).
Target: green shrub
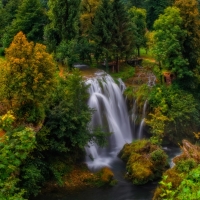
(105,177)
(2,51)
(185,165)
(180,182)
(158,156)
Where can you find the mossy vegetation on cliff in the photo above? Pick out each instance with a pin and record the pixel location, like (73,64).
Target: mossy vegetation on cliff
(183,180)
(144,161)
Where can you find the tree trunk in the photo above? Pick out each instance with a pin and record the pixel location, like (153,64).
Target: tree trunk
(117,64)
(138,51)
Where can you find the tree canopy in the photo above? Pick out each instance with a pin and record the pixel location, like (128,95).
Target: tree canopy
(29,79)
(30,19)
(169,37)
(191,43)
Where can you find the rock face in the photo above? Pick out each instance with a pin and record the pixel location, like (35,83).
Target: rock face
(144,161)
(189,151)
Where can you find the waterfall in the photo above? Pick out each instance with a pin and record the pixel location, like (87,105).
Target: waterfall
(142,123)
(106,97)
(134,114)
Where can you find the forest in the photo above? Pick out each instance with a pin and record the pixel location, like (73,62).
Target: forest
(44,113)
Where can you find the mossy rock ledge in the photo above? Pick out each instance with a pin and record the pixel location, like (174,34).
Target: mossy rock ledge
(144,161)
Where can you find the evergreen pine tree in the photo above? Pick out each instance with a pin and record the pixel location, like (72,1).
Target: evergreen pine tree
(122,35)
(101,32)
(138,17)
(112,31)
(30,19)
(154,9)
(64,21)
(7,15)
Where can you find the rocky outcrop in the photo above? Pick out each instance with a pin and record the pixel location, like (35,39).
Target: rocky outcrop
(144,161)
(189,151)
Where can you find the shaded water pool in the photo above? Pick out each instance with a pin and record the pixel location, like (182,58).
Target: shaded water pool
(124,190)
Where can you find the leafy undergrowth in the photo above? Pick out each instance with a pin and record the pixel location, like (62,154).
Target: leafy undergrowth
(2,133)
(182,182)
(2,60)
(80,178)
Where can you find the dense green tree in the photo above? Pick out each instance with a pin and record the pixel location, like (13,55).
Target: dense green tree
(122,34)
(7,15)
(102,28)
(29,77)
(191,43)
(15,147)
(64,21)
(136,3)
(138,18)
(154,9)
(112,31)
(169,106)
(44,3)
(69,117)
(4,2)
(168,38)
(30,19)
(61,34)
(88,9)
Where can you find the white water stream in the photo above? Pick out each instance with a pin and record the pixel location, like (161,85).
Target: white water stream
(106,97)
(142,123)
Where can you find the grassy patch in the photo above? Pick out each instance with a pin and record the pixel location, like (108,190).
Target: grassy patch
(125,72)
(146,54)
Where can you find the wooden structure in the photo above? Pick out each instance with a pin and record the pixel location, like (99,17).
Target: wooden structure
(168,77)
(135,62)
(111,65)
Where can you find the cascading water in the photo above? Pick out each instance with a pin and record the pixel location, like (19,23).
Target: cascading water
(142,123)
(107,99)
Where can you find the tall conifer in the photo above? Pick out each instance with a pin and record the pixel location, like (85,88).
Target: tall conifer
(102,28)
(122,33)
(64,20)
(30,19)
(154,9)
(112,31)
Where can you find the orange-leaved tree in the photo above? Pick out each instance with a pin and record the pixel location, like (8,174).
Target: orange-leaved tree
(29,78)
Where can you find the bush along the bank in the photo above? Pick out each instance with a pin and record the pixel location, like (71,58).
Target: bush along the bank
(105,177)
(183,180)
(144,161)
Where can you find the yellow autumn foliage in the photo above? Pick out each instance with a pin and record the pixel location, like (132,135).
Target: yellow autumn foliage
(29,75)
(88,11)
